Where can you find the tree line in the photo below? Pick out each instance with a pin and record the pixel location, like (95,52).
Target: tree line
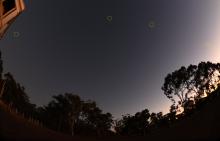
(188,88)
(66,113)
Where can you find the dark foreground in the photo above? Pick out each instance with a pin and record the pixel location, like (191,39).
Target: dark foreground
(202,125)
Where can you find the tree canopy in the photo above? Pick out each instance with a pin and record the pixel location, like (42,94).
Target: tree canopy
(191,83)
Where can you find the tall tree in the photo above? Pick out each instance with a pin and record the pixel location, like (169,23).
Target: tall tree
(15,96)
(186,84)
(67,110)
(207,77)
(134,125)
(93,116)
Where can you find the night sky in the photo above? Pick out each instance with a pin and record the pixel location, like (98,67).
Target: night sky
(70,46)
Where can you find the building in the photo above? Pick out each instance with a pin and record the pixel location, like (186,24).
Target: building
(9,10)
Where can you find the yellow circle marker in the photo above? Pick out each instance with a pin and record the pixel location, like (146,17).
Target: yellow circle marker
(152,24)
(16,34)
(109,18)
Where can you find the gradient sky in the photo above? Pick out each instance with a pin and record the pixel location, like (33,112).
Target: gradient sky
(69,46)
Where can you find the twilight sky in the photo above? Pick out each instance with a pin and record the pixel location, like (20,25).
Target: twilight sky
(70,47)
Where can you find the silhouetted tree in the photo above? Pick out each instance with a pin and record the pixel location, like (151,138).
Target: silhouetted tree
(142,118)
(63,112)
(133,125)
(184,84)
(156,120)
(93,117)
(172,113)
(207,77)
(179,85)
(68,113)
(129,125)
(16,97)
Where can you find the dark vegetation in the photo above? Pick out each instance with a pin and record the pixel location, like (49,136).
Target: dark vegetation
(189,88)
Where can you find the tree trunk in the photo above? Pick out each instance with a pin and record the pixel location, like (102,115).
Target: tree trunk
(72,128)
(72,125)
(59,123)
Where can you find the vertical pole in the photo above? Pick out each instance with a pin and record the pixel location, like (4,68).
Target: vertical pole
(2,87)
